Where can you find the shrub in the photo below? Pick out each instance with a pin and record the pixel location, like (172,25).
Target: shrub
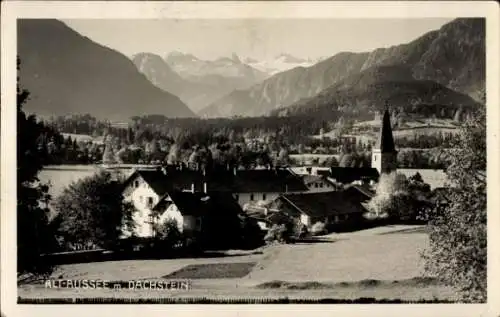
(251,234)
(318,229)
(280,233)
(168,236)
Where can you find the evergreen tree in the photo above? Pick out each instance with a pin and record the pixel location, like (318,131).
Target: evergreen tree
(34,232)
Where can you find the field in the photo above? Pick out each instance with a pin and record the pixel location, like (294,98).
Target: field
(382,263)
(367,131)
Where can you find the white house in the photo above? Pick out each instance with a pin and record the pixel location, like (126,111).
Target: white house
(143,189)
(185,208)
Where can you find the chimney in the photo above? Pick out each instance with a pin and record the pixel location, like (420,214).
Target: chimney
(192,188)
(205,187)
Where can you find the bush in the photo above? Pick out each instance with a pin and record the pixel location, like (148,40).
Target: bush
(168,236)
(251,234)
(280,233)
(318,229)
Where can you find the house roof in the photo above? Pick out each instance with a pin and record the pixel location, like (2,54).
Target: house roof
(155,179)
(267,180)
(322,204)
(199,204)
(350,174)
(359,193)
(241,181)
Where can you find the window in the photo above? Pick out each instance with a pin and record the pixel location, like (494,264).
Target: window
(263,196)
(150,201)
(321,185)
(316,185)
(151,219)
(136,184)
(251,197)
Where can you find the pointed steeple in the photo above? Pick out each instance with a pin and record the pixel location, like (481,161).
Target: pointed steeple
(385,140)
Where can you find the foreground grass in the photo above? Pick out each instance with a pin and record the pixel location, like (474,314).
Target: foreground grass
(370,264)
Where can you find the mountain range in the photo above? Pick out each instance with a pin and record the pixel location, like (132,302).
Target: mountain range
(280,63)
(452,57)
(371,88)
(197,82)
(67,73)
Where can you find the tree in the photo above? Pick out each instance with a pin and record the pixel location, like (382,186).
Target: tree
(457,253)
(91,211)
(34,232)
(168,236)
(283,157)
(174,154)
(108,156)
(384,203)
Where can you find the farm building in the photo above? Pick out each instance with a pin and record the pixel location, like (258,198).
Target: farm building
(329,208)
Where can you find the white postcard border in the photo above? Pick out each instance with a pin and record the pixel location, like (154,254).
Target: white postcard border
(13,10)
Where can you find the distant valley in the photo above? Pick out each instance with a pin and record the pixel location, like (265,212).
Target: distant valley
(197,82)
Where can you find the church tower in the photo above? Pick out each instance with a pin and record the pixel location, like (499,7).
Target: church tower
(384,154)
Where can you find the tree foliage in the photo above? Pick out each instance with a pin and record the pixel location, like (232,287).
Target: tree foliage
(457,252)
(91,211)
(399,198)
(35,236)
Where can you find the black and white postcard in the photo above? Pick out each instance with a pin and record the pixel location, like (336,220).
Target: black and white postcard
(333,153)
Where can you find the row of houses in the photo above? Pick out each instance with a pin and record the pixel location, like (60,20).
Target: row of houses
(332,196)
(189,196)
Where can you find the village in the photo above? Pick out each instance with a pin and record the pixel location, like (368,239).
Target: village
(302,201)
(357,177)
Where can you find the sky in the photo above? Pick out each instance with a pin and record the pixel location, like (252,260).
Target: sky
(261,39)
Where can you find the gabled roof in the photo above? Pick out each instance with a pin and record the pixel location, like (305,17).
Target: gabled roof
(155,179)
(267,180)
(200,204)
(359,193)
(348,175)
(385,141)
(322,204)
(241,181)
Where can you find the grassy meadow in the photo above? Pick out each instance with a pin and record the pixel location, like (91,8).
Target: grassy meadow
(382,263)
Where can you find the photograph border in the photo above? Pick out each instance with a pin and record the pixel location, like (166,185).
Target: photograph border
(13,10)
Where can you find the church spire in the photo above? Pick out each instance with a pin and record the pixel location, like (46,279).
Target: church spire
(385,140)
(384,155)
